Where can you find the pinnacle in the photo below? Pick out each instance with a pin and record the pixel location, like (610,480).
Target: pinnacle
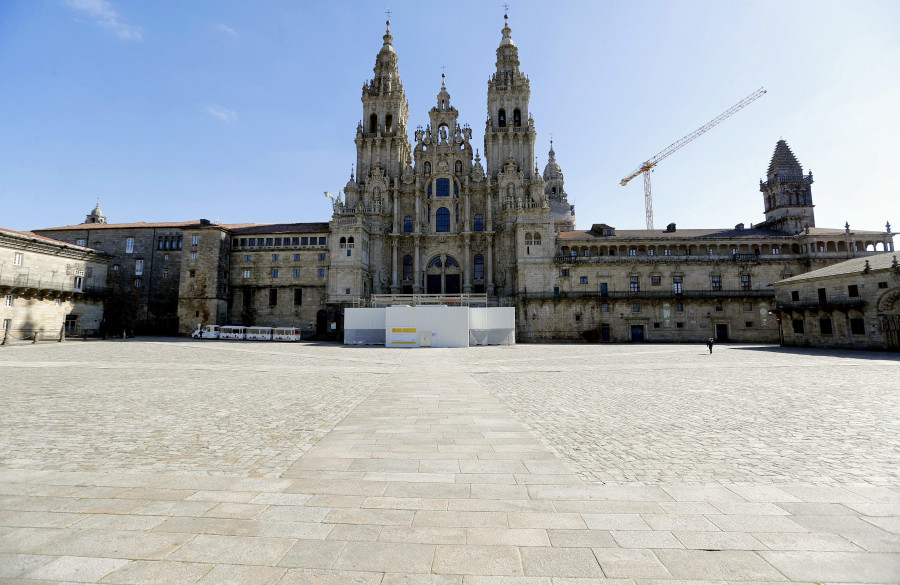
(783,161)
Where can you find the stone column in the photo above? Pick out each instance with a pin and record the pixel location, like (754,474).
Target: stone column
(417,283)
(395,286)
(489,266)
(467,265)
(396,210)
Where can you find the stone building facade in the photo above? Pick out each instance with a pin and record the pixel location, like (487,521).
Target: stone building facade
(432,216)
(855,303)
(48,286)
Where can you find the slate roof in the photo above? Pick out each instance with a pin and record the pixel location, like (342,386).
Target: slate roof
(277,228)
(676,235)
(116,226)
(881,261)
(45,239)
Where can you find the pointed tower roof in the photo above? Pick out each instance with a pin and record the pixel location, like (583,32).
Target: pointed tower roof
(784,163)
(387,75)
(507,53)
(552,169)
(443,94)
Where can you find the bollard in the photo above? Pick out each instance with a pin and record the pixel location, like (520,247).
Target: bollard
(123,335)
(84,335)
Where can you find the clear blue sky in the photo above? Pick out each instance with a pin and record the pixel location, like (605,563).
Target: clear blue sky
(246,111)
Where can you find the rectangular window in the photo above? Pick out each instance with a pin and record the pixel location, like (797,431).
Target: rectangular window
(882,285)
(655,280)
(304,241)
(349,252)
(604,308)
(138,267)
(296,257)
(129,245)
(321,257)
(320,272)
(748,324)
(679,325)
(17,259)
(179,242)
(651,252)
(246,274)
(193,255)
(776,251)
(80,242)
(823,296)
(717,282)
(9,299)
(679,307)
(857,327)
(195,240)
(667,252)
(787,275)
(251,242)
(298,296)
(443,187)
(246,257)
(58,302)
(825,326)
(632,252)
(797,324)
(274,257)
(656,325)
(852,290)
(583,280)
(719,306)
(748,307)
(270,241)
(346,291)
(709,251)
(296,273)
(635,307)
(139,282)
(295,241)
(165,256)
(277,241)
(676,284)
(79,284)
(564,272)
(274,273)
(321,241)
(795,295)
(165,273)
(273,297)
(635,284)
(243,242)
(192,273)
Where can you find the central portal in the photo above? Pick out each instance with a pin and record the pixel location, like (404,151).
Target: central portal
(443,276)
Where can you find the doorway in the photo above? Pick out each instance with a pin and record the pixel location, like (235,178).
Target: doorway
(321,322)
(604,332)
(451,283)
(721,332)
(637,333)
(433,284)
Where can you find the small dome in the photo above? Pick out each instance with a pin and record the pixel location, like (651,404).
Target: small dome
(552,170)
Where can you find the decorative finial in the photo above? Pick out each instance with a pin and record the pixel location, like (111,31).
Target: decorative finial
(443,76)
(506,10)
(388,14)
(351,172)
(887,227)
(847,227)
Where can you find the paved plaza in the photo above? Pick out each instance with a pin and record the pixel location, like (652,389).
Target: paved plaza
(176,462)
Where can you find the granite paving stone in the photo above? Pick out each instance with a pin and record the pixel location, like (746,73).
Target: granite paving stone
(320,464)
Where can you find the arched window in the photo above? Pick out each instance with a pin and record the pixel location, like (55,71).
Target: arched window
(343,242)
(427,168)
(407,224)
(407,268)
(479,267)
(442,220)
(537,239)
(479,222)
(350,241)
(442,187)
(389,123)
(553,191)
(373,123)
(501,118)
(451,262)
(528,239)
(435,262)
(517,118)
(458,167)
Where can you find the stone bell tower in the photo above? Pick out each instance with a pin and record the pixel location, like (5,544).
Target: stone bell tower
(509,131)
(381,136)
(787,193)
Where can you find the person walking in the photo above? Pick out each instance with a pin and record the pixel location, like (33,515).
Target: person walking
(709,343)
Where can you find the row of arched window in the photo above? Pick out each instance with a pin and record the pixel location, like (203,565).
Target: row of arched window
(436,262)
(517,118)
(532,239)
(442,222)
(346,242)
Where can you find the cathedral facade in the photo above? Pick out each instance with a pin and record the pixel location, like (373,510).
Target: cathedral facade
(427,212)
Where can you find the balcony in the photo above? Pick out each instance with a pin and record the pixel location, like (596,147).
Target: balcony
(654,294)
(23,285)
(842,304)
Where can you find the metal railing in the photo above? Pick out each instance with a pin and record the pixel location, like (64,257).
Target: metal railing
(459,300)
(25,283)
(651,294)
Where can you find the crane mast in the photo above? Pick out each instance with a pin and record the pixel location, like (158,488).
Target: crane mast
(648,165)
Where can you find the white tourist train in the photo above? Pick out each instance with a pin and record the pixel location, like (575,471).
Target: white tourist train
(246,333)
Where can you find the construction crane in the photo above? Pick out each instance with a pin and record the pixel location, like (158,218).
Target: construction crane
(647,166)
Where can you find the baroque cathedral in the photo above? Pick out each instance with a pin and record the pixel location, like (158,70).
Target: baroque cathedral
(431,219)
(443,217)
